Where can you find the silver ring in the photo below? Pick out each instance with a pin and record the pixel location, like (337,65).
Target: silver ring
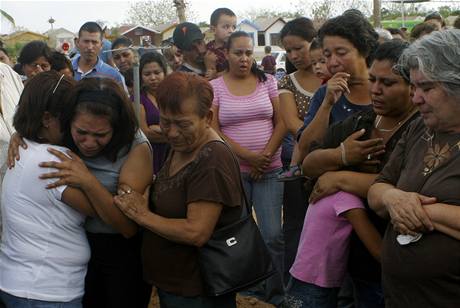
(128,191)
(369,156)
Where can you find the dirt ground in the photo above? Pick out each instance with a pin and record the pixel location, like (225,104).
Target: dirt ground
(241,302)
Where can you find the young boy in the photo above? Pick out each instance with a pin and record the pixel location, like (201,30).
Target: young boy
(269,62)
(318,61)
(223,24)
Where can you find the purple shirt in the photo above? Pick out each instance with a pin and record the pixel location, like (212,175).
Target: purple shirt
(322,255)
(152,115)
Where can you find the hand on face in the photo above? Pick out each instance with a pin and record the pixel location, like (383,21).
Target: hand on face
(336,87)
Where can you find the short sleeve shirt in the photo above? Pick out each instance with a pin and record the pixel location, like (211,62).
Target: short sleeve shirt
(289,84)
(212,176)
(248,119)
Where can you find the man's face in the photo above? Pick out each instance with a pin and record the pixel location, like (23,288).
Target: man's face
(89,44)
(195,55)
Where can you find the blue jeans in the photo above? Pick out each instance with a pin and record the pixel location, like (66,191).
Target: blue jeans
(368,294)
(12,301)
(306,295)
(170,300)
(266,196)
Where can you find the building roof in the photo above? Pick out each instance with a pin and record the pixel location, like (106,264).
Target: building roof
(58,31)
(164,27)
(263,24)
(135,27)
(19,33)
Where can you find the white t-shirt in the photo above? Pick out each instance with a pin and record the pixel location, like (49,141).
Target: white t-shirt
(44,251)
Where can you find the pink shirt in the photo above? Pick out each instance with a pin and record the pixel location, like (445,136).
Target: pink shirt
(248,120)
(322,255)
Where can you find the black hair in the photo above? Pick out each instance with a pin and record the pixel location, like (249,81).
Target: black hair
(121,41)
(435,16)
(422,28)
(302,27)
(394,31)
(129,78)
(219,12)
(254,69)
(59,62)
(392,51)
(151,57)
(34,50)
(91,27)
(102,97)
(315,44)
(4,51)
(45,92)
(457,23)
(355,28)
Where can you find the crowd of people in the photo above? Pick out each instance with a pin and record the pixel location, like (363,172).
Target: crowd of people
(346,161)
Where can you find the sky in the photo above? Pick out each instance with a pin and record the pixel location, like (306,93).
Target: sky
(34,15)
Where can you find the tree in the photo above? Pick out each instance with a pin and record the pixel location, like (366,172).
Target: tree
(151,13)
(253,14)
(7,17)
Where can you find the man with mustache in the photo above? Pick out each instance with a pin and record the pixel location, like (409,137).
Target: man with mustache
(88,63)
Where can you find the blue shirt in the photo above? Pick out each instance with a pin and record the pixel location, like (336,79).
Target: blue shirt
(101,69)
(341,110)
(105,54)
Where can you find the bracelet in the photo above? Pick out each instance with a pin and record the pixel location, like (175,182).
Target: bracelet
(343,154)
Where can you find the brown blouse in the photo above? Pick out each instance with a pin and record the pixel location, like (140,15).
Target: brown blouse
(213,176)
(425,273)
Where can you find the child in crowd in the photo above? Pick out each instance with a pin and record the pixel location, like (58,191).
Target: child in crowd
(269,62)
(223,24)
(318,60)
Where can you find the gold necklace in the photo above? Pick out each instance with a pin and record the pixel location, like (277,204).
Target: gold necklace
(385,130)
(435,154)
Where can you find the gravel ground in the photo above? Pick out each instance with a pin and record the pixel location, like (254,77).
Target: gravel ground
(241,302)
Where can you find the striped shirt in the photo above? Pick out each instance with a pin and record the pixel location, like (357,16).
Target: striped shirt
(248,120)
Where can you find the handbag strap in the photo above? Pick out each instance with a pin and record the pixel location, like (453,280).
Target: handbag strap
(235,160)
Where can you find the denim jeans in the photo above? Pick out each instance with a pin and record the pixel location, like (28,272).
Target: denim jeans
(306,295)
(170,300)
(266,196)
(12,301)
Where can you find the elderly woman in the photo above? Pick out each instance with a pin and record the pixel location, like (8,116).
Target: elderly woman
(196,191)
(417,189)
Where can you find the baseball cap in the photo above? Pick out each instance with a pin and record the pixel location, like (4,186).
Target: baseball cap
(185,34)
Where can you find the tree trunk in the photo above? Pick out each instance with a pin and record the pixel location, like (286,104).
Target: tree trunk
(377,14)
(180,8)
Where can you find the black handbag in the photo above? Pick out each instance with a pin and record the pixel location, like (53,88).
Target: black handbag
(235,257)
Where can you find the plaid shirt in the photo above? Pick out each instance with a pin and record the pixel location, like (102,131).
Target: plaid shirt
(221,63)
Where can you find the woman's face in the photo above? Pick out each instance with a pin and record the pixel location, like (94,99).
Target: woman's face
(297,51)
(38,66)
(438,109)
(240,56)
(91,133)
(123,59)
(152,75)
(185,131)
(389,92)
(342,56)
